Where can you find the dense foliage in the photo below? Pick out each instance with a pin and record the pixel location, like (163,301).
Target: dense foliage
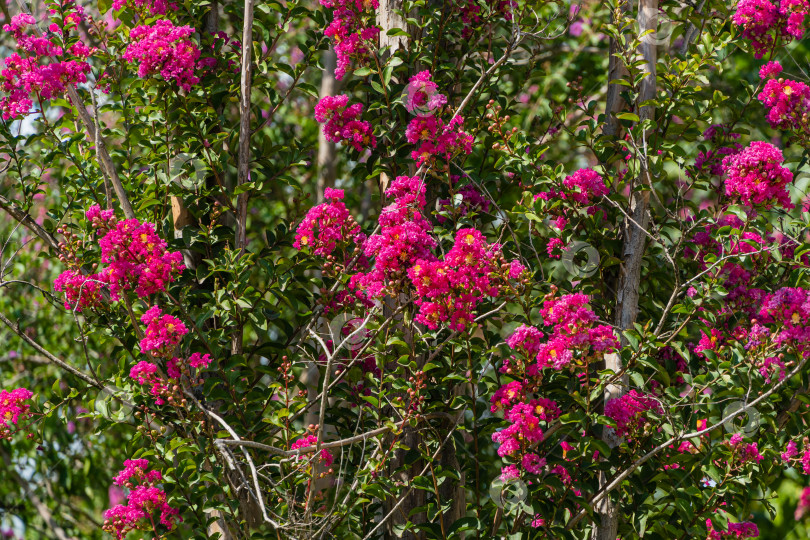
(379,269)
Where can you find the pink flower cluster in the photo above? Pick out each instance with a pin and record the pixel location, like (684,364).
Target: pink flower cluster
(733,322)
(41,69)
(756,177)
(524,430)
(351,33)
(787,102)
(166,49)
(328,226)
(794,13)
(573,338)
(404,238)
(744,452)
(765,24)
(199,361)
(81,291)
(789,309)
(144,499)
(146,373)
(310,441)
(341,122)
(744,529)
(630,412)
(446,290)
(437,139)
(585,186)
(422,94)
(582,189)
(14,408)
(149,7)
(136,256)
(163,332)
(450,289)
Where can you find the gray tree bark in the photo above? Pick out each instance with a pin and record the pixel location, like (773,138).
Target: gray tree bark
(326,149)
(635,236)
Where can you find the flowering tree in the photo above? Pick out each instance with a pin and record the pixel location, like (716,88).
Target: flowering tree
(516,269)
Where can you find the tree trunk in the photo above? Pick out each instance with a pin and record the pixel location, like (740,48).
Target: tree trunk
(326,149)
(614,103)
(388,19)
(634,232)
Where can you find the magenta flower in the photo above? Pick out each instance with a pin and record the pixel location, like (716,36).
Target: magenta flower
(756,177)
(422,94)
(165,49)
(144,499)
(341,122)
(310,441)
(629,412)
(163,332)
(14,408)
(328,226)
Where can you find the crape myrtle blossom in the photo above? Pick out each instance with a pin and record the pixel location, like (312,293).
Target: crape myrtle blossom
(136,258)
(765,24)
(792,458)
(437,139)
(145,501)
(804,504)
(787,102)
(434,137)
(328,226)
(794,13)
(450,289)
(342,124)
(14,409)
(165,49)
(81,291)
(760,21)
(310,441)
(630,412)
(422,94)
(446,291)
(584,187)
(743,452)
(573,338)
(744,529)
(146,373)
(766,325)
(351,32)
(755,176)
(404,238)
(163,332)
(43,67)
(580,190)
